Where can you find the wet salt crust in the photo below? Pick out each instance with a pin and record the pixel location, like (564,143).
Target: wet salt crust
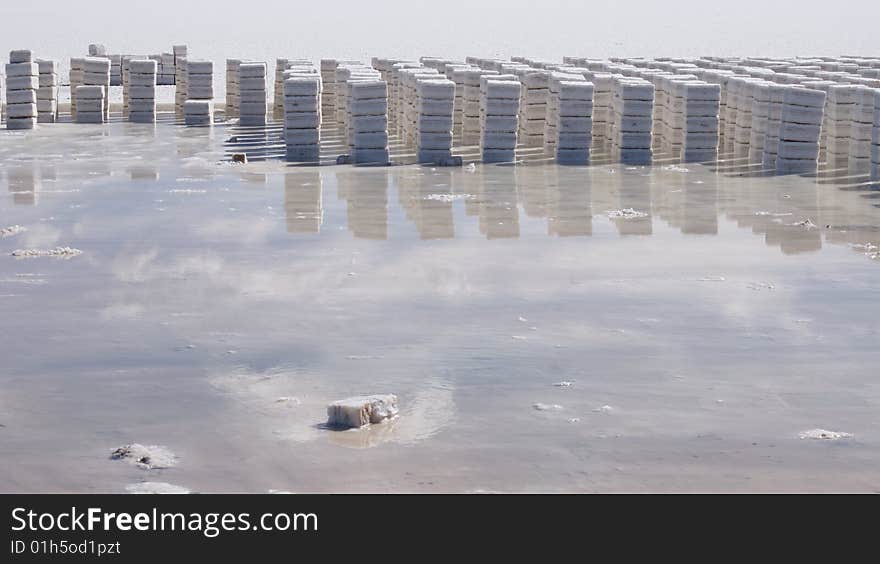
(58,252)
(822,434)
(101,342)
(11,230)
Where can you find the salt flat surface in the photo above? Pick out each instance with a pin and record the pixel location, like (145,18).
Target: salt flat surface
(217,309)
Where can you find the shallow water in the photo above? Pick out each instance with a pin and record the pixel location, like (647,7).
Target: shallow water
(216,309)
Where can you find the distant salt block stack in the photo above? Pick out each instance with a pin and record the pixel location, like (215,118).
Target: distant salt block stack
(861,130)
(742,131)
(799,129)
(115,70)
(574,120)
(181,88)
(90,104)
(435,104)
(533,107)
(458,77)
(346,72)
(97,50)
(408,111)
(603,108)
(774,124)
(232,94)
(551,121)
(47,94)
(368,121)
(141,77)
(361,411)
(22,83)
(875,139)
(76,78)
(166,75)
(199,88)
(633,117)
(252,84)
(328,95)
(499,118)
(198,112)
(838,123)
(760,120)
(97,73)
(302,118)
(699,136)
(470,126)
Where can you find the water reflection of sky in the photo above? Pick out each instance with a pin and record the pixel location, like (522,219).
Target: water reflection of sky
(217,309)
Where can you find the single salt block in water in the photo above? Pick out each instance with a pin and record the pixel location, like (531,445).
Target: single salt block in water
(362,410)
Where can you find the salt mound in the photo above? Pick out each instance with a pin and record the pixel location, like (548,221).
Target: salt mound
(149,457)
(155,488)
(626,213)
(822,434)
(547,407)
(362,410)
(11,230)
(60,252)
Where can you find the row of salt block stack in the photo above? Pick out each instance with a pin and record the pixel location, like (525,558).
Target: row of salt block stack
(760,120)
(533,107)
(471,114)
(875,139)
(458,77)
(499,117)
(141,78)
(667,117)
(253,107)
(743,89)
(47,95)
(733,86)
(799,129)
(181,91)
(408,109)
(232,94)
(633,105)
(551,119)
(126,82)
(346,72)
(96,72)
(603,108)
(861,130)
(302,117)
(573,107)
(77,72)
(824,86)
(841,101)
(367,120)
(775,96)
(22,82)
(435,106)
(328,92)
(198,109)
(90,100)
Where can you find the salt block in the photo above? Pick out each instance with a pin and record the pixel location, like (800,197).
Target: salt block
(362,410)
(21,56)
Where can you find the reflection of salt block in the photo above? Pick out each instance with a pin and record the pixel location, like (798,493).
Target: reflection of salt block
(362,410)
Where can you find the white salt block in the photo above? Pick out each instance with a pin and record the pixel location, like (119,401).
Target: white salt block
(21,110)
(360,411)
(22,69)
(21,56)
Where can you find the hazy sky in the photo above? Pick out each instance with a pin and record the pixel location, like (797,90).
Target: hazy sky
(265,29)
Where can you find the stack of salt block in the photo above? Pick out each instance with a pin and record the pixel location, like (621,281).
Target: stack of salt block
(435,102)
(861,130)
(799,130)
(302,117)
(347,72)
(533,107)
(760,120)
(408,111)
(141,77)
(181,90)
(633,117)
(166,74)
(398,105)
(97,73)
(743,90)
(97,50)
(841,103)
(328,94)
(198,109)
(551,133)
(115,70)
(90,104)
(699,137)
(875,139)
(252,92)
(574,120)
(499,117)
(22,82)
(77,74)
(776,93)
(367,109)
(458,77)
(47,95)
(232,95)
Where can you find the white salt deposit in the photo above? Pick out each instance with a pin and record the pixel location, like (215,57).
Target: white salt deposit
(11,231)
(148,457)
(361,410)
(822,434)
(155,488)
(547,407)
(626,213)
(60,252)
(563,384)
